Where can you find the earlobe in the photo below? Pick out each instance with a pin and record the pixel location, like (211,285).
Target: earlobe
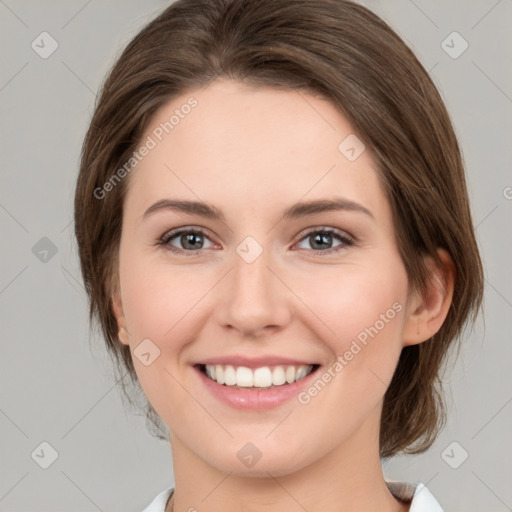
(429,311)
(117,307)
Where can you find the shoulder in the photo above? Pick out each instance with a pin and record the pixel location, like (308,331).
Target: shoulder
(160,501)
(422,500)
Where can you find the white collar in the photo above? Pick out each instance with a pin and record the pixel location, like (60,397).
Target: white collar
(421,498)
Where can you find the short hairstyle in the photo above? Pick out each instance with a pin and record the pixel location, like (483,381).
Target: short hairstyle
(340,51)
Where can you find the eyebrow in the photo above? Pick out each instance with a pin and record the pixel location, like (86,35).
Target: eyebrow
(295,211)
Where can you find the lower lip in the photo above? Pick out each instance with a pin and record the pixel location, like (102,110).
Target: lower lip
(255,399)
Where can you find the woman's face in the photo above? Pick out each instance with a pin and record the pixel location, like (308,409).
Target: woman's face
(261,291)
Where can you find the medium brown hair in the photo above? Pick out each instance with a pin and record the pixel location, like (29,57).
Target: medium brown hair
(343,52)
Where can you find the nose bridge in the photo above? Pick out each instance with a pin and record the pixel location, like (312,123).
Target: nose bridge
(251,262)
(255,298)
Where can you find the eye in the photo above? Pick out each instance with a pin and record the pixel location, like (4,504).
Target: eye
(191,240)
(321,240)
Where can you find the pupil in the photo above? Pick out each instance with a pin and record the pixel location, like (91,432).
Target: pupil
(189,239)
(322,238)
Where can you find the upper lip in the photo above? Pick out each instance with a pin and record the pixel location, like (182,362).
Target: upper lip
(253,362)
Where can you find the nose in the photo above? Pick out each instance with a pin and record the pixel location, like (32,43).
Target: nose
(254,298)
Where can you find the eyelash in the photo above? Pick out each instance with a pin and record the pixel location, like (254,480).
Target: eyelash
(342,236)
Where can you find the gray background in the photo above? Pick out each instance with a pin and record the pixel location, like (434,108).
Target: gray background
(57,388)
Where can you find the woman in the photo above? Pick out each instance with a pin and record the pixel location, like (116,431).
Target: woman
(275,236)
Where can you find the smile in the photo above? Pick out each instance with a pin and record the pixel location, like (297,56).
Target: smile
(257,378)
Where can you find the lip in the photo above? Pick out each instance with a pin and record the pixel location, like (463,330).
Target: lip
(254,399)
(254,362)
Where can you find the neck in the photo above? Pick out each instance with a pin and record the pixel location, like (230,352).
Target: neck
(348,478)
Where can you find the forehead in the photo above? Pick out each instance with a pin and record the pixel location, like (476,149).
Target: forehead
(256,146)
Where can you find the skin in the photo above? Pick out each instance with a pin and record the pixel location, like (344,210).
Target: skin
(253,152)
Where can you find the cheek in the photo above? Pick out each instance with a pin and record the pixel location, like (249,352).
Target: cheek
(156,297)
(360,302)
(158,306)
(363,308)
(161,304)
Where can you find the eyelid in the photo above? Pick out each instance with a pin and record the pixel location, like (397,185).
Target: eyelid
(328,229)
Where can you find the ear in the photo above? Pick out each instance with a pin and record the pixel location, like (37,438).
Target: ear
(117,306)
(427,313)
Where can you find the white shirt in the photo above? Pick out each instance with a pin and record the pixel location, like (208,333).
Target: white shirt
(422,499)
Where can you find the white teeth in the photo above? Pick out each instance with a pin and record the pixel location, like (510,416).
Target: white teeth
(278,376)
(262,377)
(229,376)
(219,374)
(290,374)
(244,377)
(301,372)
(210,371)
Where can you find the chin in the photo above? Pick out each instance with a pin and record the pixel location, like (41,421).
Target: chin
(259,459)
